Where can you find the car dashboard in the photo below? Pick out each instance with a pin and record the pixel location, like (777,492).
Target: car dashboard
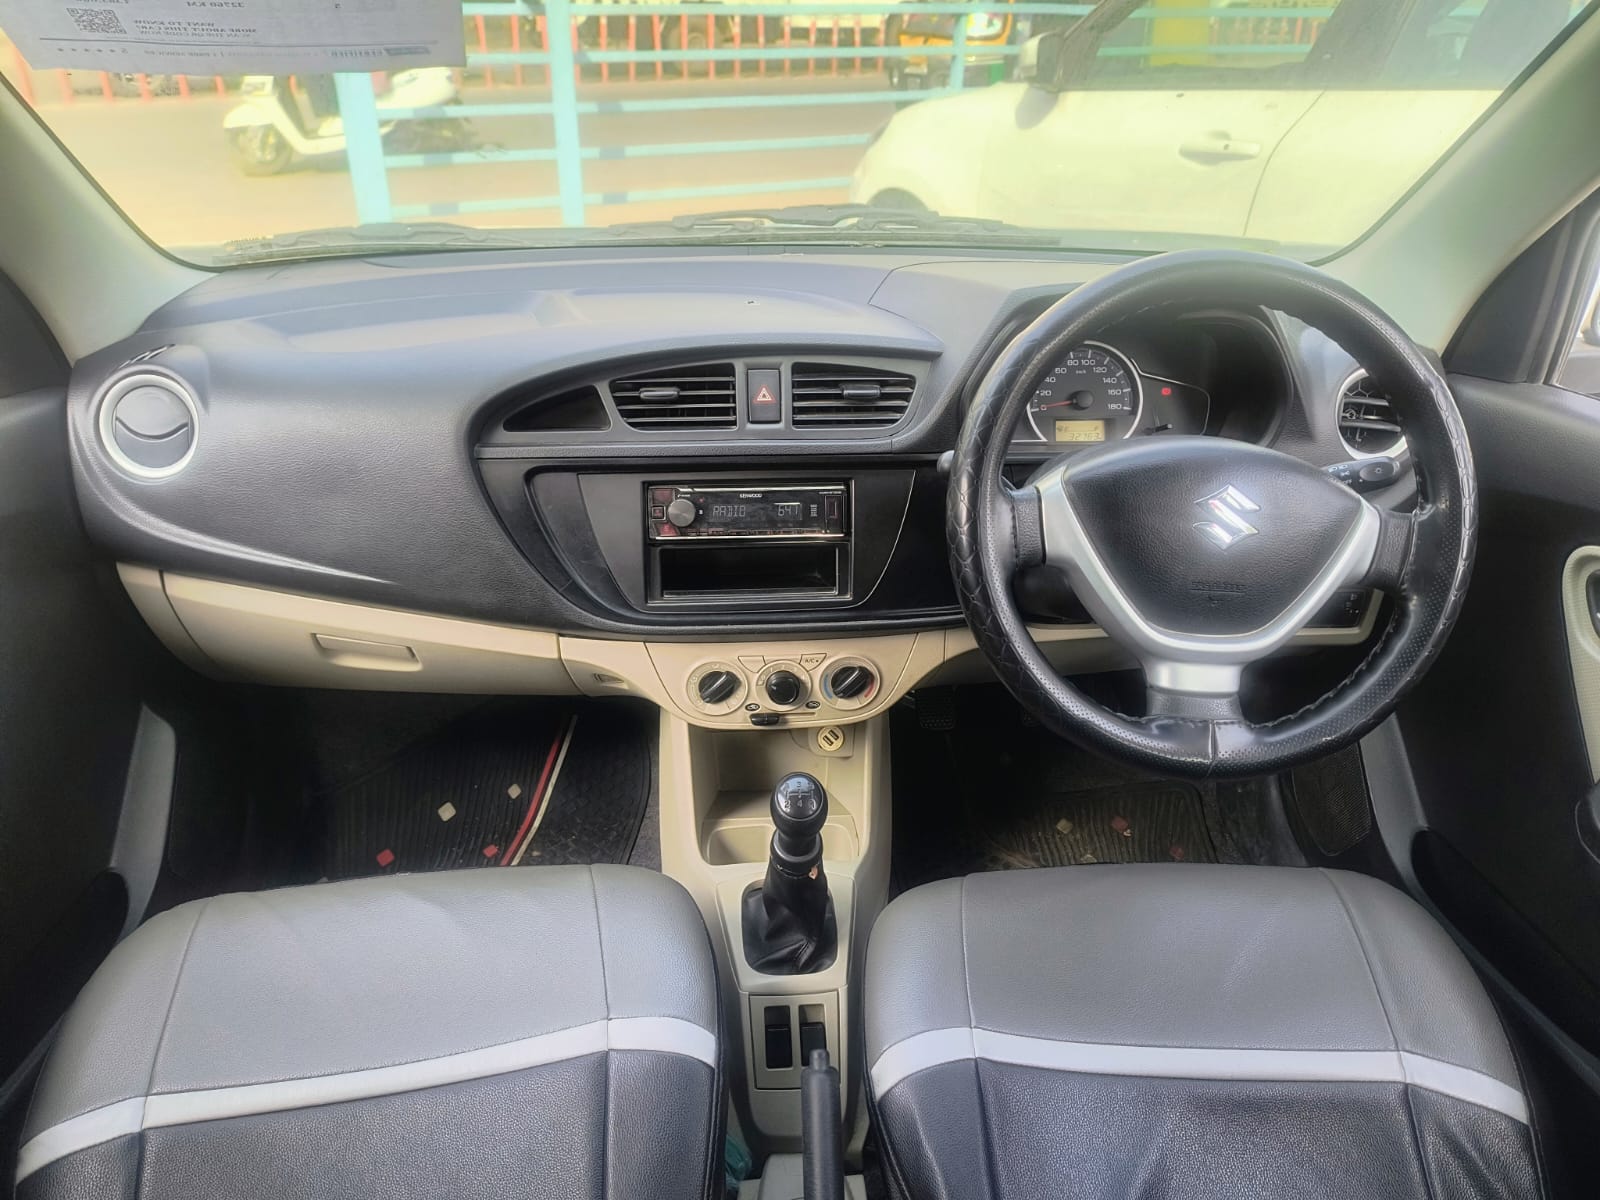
(661,469)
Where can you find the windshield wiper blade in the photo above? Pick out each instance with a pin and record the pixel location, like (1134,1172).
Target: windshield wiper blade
(871,224)
(861,218)
(818,224)
(342,239)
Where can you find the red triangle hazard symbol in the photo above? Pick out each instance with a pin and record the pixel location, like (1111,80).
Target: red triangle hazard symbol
(765,396)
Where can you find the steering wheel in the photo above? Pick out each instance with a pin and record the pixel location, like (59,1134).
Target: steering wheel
(1202,555)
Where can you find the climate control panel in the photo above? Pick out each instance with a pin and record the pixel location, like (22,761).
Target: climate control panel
(769,689)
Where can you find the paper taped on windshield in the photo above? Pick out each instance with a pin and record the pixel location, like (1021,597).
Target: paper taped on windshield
(229,37)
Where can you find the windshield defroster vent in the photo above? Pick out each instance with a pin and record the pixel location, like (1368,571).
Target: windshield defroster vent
(704,397)
(829,397)
(1367,423)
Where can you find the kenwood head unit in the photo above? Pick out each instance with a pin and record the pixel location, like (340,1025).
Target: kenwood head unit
(758,511)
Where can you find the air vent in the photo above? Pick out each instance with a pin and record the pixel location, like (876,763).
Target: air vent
(687,398)
(147,355)
(1367,423)
(829,397)
(148,424)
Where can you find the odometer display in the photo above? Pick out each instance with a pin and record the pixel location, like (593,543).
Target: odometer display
(1080,431)
(1092,386)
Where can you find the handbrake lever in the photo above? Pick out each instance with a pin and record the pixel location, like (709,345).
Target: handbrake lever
(821,1131)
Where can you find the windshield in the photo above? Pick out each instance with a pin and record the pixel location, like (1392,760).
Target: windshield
(1285,125)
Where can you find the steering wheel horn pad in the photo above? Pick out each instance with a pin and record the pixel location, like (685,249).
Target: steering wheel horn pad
(1201,555)
(1198,578)
(1204,535)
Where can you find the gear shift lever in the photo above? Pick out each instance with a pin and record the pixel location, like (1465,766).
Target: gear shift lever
(789,925)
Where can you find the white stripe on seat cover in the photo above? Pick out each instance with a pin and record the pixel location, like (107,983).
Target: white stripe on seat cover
(90,1129)
(669,1035)
(938,1046)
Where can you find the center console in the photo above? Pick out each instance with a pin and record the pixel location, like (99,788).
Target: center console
(782,837)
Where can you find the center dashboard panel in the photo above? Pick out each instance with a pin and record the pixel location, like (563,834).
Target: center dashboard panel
(780,541)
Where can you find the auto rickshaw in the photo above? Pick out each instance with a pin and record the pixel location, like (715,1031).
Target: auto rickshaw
(987,31)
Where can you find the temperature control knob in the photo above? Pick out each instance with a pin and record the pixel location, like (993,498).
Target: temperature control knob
(784,688)
(717,687)
(850,681)
(681,512)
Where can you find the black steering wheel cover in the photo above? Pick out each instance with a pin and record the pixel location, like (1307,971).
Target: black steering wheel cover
(1432,585)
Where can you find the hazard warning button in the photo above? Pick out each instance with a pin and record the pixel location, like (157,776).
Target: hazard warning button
(764,392)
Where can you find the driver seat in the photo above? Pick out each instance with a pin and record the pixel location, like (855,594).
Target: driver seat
(1195,1031)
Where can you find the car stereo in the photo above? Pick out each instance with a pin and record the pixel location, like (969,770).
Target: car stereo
(813,511)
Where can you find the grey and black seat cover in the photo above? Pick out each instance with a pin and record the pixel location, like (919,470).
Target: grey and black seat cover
(1186,1031)
(545,1032)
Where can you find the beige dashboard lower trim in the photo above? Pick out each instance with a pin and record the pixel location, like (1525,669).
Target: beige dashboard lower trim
(235,631)
(149,595)
(285,638)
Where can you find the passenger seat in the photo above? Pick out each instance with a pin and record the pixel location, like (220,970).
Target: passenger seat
(534,1032)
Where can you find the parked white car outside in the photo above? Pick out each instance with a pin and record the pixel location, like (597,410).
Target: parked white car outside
(1234,127)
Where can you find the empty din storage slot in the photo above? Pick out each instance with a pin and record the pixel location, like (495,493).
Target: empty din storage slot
(720,570)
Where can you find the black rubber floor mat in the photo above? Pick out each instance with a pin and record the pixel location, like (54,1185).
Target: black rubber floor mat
(995,792)
(518,784)
(1136,822)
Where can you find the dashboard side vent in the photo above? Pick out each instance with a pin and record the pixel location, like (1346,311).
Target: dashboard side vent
(1367,423)
(833,397)
(148,424)
(703,397)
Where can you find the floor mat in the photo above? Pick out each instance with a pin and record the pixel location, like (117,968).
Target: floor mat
(1137,822)
(995,792)
(511,784)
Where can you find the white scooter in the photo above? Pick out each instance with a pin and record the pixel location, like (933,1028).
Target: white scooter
(269,129)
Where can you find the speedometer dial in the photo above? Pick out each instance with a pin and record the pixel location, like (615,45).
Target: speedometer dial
(1091,395)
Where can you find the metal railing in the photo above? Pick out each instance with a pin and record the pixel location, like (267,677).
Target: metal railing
(657,39)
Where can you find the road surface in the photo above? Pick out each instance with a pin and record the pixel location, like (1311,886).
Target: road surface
(166,161)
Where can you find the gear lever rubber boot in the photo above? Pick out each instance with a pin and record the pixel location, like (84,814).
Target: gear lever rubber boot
(789,926)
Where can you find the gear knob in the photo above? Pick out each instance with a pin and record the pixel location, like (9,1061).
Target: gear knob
(788,922)
(799,811)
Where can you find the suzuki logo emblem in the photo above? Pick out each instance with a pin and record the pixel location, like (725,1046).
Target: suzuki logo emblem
(1227,526)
